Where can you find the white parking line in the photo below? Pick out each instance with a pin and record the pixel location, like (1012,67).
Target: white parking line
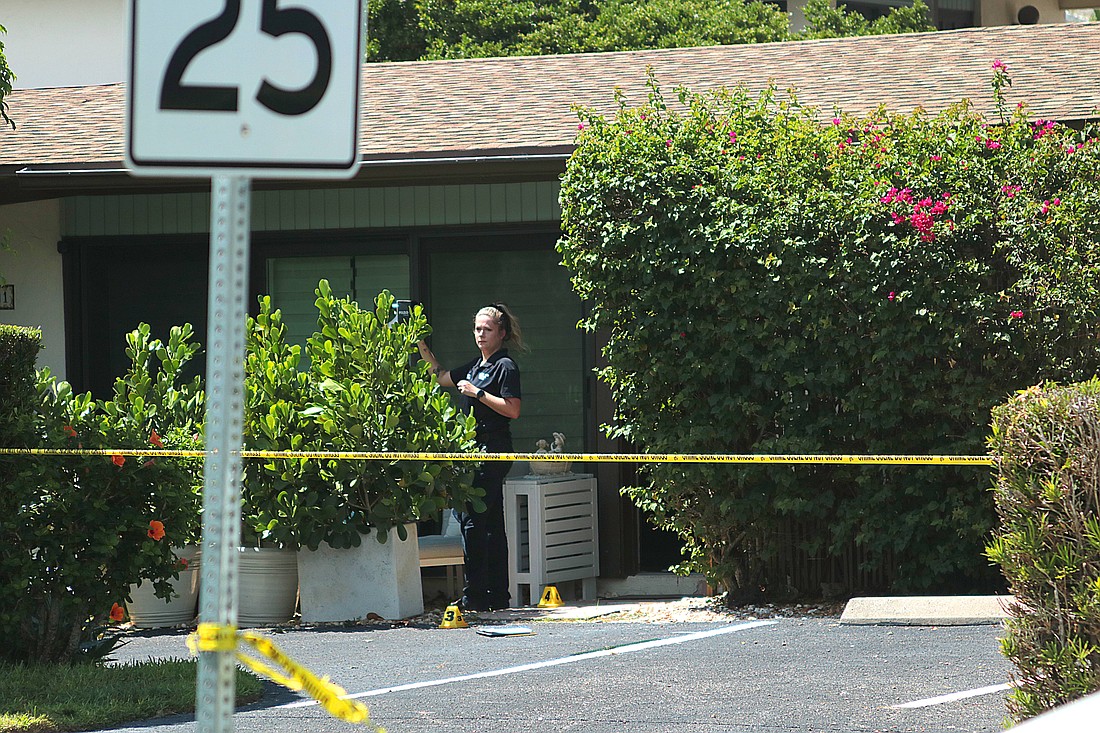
(625,649)
(939,700)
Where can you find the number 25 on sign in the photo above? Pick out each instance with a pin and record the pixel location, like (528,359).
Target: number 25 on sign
(264,88)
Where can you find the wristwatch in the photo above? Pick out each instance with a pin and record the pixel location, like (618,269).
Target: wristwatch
(480,394)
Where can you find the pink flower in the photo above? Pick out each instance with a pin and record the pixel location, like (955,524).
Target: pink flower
(1016,314)
(999,65)
(733,136)
(1042,127)
(581,126)
(1009,191)
(891,296)
(836,120)
(668,143)
(922,222)
(937,158)
(992,144)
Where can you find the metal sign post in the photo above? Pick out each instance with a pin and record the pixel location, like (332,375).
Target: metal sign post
(229,251)
(234,90)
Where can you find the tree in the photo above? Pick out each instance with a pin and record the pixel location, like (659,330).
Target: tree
(825,21)
(7,78)
(625,25)
(483,28)
(448,29)
(393,31)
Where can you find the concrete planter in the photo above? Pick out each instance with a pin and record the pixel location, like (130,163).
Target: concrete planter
(149,612)
(348,585)
(268,585)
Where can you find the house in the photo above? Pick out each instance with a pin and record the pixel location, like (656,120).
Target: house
(456,203)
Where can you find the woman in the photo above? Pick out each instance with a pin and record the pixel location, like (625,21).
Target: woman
(490,386)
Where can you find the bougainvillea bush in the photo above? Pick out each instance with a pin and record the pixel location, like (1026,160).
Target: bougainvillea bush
(778,279)
(84,528)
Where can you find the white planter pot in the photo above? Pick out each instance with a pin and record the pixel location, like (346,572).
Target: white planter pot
(348,585)
(149,612)
(267,592)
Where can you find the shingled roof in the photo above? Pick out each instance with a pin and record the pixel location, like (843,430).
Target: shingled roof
(481,109)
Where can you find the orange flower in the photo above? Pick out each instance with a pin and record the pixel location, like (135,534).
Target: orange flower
(156,529)
(118,459)
(68,430)
(117,612)
(155,440)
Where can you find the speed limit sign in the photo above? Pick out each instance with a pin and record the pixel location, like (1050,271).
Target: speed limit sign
(261,88)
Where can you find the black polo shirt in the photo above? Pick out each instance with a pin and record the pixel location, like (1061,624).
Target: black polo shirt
(498,376)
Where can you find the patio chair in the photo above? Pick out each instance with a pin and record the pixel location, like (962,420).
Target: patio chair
(445,550)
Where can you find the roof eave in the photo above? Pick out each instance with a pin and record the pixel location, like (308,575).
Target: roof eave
(55,180)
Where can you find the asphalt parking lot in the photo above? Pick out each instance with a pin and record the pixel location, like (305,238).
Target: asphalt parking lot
(740,676)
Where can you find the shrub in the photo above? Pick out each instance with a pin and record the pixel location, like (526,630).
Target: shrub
(89,526)
(774,280)
(358,393)
(1046,442)
(19,348)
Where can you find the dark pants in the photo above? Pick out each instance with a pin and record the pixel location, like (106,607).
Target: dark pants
(483,535)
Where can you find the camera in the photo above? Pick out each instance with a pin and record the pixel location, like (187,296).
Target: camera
(402,311)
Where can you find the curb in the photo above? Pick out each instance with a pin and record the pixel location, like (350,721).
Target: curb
(926,610)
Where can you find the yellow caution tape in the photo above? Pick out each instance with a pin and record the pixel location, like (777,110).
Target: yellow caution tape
(284,670)
(743,458)
(213,638)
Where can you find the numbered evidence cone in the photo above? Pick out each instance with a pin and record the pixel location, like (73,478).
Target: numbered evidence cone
(452,618)
(550,598)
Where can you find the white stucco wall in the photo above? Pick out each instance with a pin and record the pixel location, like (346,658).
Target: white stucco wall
(34,267)
(1003,12)
(65,42)
(798,18)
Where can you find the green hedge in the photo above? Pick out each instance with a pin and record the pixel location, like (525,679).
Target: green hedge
(777,279)
(19,347)
(1046,442)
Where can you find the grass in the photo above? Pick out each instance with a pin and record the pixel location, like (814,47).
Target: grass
(92,697)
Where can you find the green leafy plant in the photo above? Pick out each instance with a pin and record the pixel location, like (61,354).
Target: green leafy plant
(1046,442)
(275,502)
(358,393)
(87,527)
(7,78)
(775,279)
